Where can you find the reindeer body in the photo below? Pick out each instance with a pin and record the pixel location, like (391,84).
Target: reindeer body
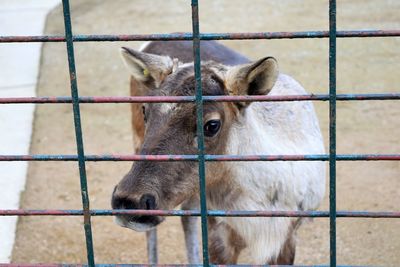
(273,128)
(276,129)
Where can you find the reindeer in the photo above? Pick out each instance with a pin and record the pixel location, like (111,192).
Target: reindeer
(284,128)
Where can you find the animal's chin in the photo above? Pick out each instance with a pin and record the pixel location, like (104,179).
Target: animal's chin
(139,224)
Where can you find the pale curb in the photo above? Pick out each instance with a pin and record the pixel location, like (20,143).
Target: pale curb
(19,67)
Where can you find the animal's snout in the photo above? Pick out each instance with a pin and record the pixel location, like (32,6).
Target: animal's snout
(136,222)
(146,202)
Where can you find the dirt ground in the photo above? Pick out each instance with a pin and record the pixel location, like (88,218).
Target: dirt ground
(364,65)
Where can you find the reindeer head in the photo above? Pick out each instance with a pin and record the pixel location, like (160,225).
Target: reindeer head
(170,128)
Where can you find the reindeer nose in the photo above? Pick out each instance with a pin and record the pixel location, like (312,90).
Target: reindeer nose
(122,200)
(148,202)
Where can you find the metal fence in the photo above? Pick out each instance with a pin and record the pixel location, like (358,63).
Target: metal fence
(196,36)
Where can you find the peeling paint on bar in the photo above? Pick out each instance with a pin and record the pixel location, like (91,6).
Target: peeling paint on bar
(153,265)
(202,36)
(343,157)
(332,132)
(199,131)
(178,99)
(211,213)
(78,132)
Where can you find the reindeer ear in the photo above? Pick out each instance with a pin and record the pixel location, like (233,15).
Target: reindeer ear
(256,78)
(147,68)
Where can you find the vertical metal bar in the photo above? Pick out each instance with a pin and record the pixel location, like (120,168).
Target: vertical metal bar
(200,134)
(152,253)
(332,130)
(78,133)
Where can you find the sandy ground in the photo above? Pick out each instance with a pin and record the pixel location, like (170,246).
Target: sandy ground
(364,66)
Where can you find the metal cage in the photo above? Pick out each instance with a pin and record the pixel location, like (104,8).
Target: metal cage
(201,158)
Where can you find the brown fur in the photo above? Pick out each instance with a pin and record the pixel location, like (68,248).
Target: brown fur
(171,129)
(225,243)
(210,50)
(165,127)
(137,117)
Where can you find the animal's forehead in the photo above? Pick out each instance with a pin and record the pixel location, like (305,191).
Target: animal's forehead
(178,110)
(182,81)
(177,113)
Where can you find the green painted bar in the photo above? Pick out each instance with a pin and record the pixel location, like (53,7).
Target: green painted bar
(207,157)
(332,131)
(152,265)
(200,134)
(190,99)
(210,213)
(203,36)
(78,133)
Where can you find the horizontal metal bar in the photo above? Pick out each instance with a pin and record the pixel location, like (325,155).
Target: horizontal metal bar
(211,213)
(97,99)
(99,157)
(322,157)
(150,265)
(177,99)
(202,36)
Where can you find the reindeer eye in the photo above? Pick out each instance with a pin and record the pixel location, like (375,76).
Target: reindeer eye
(211,127)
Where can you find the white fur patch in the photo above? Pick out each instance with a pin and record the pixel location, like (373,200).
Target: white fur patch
(212,116)
(274,128)
(166,108)
(140,227)
(135,66)
(184,65)
(195,144)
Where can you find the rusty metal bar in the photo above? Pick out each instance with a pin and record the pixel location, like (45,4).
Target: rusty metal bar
(341,157)
(191,99)
(199,131)
(78,133)
(202,36)
(211,213)
(150,265)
